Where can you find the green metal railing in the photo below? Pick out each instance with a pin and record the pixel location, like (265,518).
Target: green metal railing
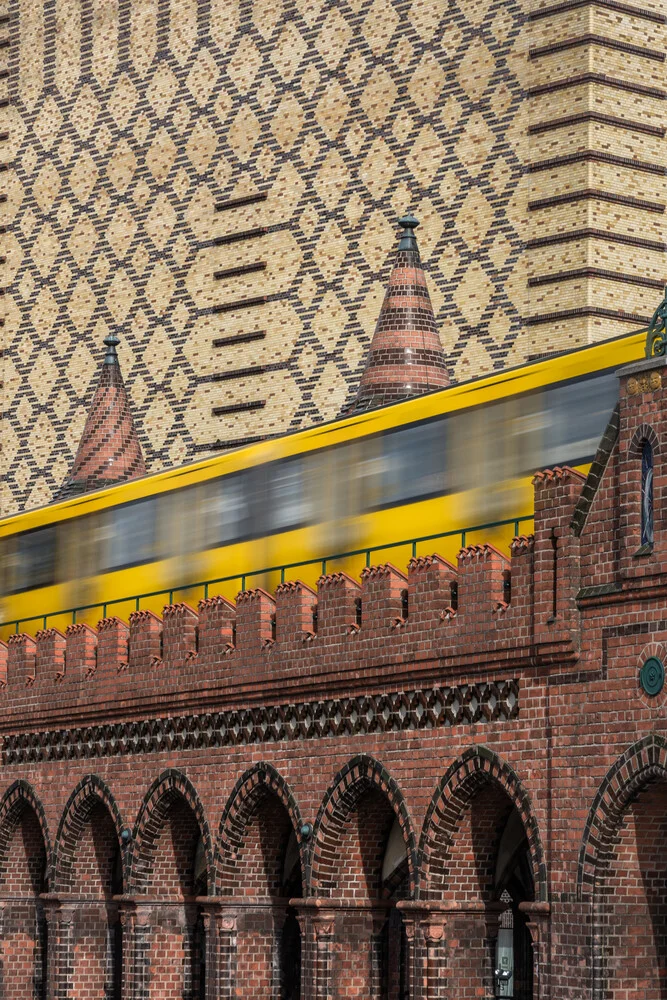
(205,585)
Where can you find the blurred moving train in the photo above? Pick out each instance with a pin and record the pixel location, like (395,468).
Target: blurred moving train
(442,462)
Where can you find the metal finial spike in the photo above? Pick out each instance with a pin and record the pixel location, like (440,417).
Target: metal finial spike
(408,239)
(112,341)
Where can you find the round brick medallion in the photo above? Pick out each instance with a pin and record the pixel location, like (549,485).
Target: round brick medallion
(652,676)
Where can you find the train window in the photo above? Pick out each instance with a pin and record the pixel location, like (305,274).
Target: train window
(576,416)
(414,462)
(226,513)
(289,495)
(35,564)
(180,522)
(132,534)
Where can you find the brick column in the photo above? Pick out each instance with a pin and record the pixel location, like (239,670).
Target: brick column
(141,951)
(210,913)
(59,917)
(410,922)
(317,920)
(324,927)
(227,943)
(421,959)
(433,928)
(539,924)
(135,917)
(128,918)
(379,922)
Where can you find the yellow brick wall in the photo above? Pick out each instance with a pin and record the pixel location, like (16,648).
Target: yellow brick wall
(130,123)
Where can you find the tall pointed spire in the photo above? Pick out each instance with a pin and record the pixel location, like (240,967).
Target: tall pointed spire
(406,357)
(109,451)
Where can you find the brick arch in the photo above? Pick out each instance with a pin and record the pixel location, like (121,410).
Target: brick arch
(465,778)
(362,774)
(90,792)
(641,764)
(260,780)
(170,787)
(643,433)
(21,795)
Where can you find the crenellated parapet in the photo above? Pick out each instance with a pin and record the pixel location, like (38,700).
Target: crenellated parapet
(490,611)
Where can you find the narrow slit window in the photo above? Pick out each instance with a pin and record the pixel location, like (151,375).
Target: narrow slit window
(647,494)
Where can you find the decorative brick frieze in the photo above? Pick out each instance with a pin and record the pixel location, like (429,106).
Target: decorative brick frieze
(408,711)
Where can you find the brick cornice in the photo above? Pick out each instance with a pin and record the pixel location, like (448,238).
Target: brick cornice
(622,8)
(617,314)
(596,234)
(593,39)
(595,116)
(600,78)
(588,194)
(595,272)
(594,156)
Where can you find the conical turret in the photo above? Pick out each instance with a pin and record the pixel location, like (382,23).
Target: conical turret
(109,451)
(406,357)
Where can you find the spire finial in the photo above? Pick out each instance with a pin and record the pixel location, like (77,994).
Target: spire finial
(408,239)
(109,451)
(405,357)
(112,342)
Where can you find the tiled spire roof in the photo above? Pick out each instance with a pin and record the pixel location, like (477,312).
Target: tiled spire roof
(109,451)
(406,357)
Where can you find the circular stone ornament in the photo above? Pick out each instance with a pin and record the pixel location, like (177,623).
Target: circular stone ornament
(652,676)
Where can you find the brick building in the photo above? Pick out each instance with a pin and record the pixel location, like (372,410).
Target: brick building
(217,182)
(359,792)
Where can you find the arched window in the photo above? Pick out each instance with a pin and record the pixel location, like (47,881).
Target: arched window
(647,493)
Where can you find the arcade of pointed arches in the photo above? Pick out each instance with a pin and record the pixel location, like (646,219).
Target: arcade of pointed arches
(131,909)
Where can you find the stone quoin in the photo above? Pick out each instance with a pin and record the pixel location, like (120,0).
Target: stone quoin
(353,792)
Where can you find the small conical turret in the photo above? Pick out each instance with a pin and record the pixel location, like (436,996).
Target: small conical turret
(109,451)
(406,357)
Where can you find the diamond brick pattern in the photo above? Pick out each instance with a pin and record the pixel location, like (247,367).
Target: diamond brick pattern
(134,121)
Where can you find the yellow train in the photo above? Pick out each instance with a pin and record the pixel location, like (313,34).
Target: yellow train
(450,464)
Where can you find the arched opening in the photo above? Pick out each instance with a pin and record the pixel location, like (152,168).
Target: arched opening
(174,945)
(260,870)
(395,886)
(480,863)
(23,876)
(170,867)
(631,901)
(362,862)
(513,885)
(93,876)
(647,494)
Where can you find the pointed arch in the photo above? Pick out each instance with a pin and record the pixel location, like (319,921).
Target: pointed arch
(477,767)
(18,796)
(90,792)
(257,781)
(642,763)
(172,785)
(361,774)
(643,433)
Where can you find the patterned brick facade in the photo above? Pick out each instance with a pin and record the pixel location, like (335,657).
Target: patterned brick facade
(218,182)
(206,805)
